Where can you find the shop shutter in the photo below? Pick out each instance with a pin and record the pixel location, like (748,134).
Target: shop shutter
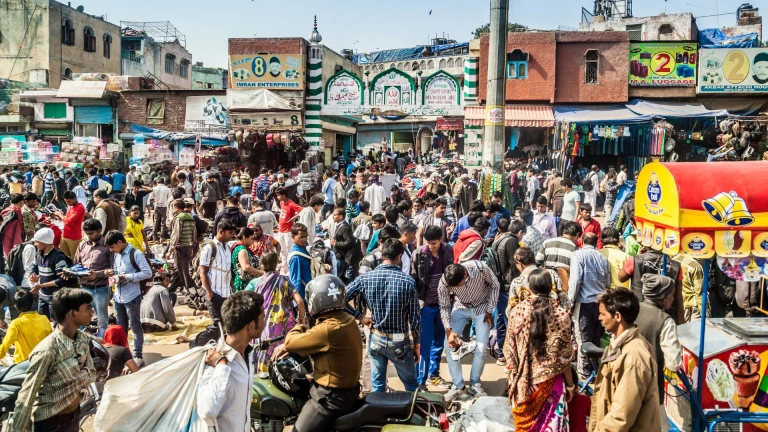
(94,115)
(55,110)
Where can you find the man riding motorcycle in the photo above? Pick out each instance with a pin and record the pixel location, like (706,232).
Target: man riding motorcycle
(335,346)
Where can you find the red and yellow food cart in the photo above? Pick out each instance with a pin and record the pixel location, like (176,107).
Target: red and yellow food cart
(707,210)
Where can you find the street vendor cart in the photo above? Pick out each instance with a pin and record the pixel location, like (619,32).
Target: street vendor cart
(717,213)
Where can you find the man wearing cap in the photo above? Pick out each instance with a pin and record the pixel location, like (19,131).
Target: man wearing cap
(45,277)
(659,329)
(465,194)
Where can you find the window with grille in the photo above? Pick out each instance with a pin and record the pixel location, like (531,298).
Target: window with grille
(89,40)
(184,69)
(56,110)
(517,65)
(198,84)
(209,85)
(107,46)
(635,32)
(155,111)
(592,67)
(169,59)
(67,33)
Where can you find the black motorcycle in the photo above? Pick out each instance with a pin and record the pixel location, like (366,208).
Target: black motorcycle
(279,396)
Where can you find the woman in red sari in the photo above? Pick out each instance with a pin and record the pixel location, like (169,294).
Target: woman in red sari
(538,352)
(263,243)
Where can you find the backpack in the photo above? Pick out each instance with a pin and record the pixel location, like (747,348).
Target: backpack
(363,231)
(15,264)
(262,186)
(490,258)
(144,284)
(316,264)
(586,184)
(196,263)
(93,183)
(603,184)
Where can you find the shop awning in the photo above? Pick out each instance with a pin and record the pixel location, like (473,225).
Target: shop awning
(82,89)
(514,116)
(673,109)
(598,114)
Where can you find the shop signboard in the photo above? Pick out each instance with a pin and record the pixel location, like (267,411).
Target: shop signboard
(392,87)
(270,71)
(267,120)
(449,123)
(344,89)
(494,115)
(441,89)
(662,64)
(733,70)
(206,112)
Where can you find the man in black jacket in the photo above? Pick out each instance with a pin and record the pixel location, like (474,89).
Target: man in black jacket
(505,245)
(346,247)
(427,266)
(231,213)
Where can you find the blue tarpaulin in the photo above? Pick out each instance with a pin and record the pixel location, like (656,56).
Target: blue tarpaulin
(438,48)
(214,140)
(598,114)
(673,109)
(403,53)
(714,38)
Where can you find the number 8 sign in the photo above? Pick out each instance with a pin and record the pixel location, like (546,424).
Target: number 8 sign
(259,66)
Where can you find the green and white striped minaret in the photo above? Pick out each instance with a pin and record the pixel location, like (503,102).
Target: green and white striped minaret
(470,81)
(312,124)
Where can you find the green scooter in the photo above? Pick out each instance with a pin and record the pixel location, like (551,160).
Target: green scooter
(279,397)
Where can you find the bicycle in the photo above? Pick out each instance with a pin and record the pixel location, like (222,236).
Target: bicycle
(593,353)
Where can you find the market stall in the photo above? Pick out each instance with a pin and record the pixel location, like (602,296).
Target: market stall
(684,132)
(603,135)
(707,210)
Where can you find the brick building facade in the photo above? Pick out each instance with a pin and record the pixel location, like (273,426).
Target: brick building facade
(132,108)
(606,53)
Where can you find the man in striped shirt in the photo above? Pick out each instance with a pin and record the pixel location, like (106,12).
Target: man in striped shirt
(467,291)
(395,318)
(216,269)
(555,254)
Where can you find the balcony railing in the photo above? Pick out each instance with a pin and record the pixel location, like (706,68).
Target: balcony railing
(131,55)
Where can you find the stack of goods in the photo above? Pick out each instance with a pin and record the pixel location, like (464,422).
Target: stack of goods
(12,152)
(151,152)
(82,150)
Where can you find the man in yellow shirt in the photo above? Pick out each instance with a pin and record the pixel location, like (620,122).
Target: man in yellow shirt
(26,331)
(616,257)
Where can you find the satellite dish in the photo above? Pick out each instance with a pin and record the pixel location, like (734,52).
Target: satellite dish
(80,8)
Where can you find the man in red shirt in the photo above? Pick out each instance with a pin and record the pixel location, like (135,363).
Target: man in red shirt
(13,229)
(289,211)
(73,222)
(589,224)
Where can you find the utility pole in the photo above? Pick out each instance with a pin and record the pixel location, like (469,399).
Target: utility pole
(493,133)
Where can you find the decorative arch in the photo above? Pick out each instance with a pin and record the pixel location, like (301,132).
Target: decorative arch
(400,65)
(442,64)
(415,66)
(450,63)
(393,73)
(431,64)
(343,73)
(440,74)
(423,65)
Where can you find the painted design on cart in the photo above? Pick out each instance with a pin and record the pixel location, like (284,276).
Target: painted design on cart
(720,381)
(760,244)
(729,209)
(654,195)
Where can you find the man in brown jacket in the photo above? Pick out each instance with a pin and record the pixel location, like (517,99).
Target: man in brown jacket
(626,393)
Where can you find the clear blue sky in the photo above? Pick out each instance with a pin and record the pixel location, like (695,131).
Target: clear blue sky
(364,25)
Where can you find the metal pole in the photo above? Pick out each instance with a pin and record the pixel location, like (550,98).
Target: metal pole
(493,134)
(701,423)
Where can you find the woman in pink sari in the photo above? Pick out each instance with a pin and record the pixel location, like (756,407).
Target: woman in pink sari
(538,352)
(279,297)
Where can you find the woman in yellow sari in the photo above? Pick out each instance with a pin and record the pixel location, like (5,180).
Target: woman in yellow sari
(134,230)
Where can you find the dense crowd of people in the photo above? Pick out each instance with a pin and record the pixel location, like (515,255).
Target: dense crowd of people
(527,277)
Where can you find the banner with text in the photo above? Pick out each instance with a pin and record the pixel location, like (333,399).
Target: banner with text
(271,71)
(662,64)
(733,70)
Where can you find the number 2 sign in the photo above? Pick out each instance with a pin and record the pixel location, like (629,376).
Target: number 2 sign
(663,64)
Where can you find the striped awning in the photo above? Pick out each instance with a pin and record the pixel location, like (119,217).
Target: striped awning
(514,116)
